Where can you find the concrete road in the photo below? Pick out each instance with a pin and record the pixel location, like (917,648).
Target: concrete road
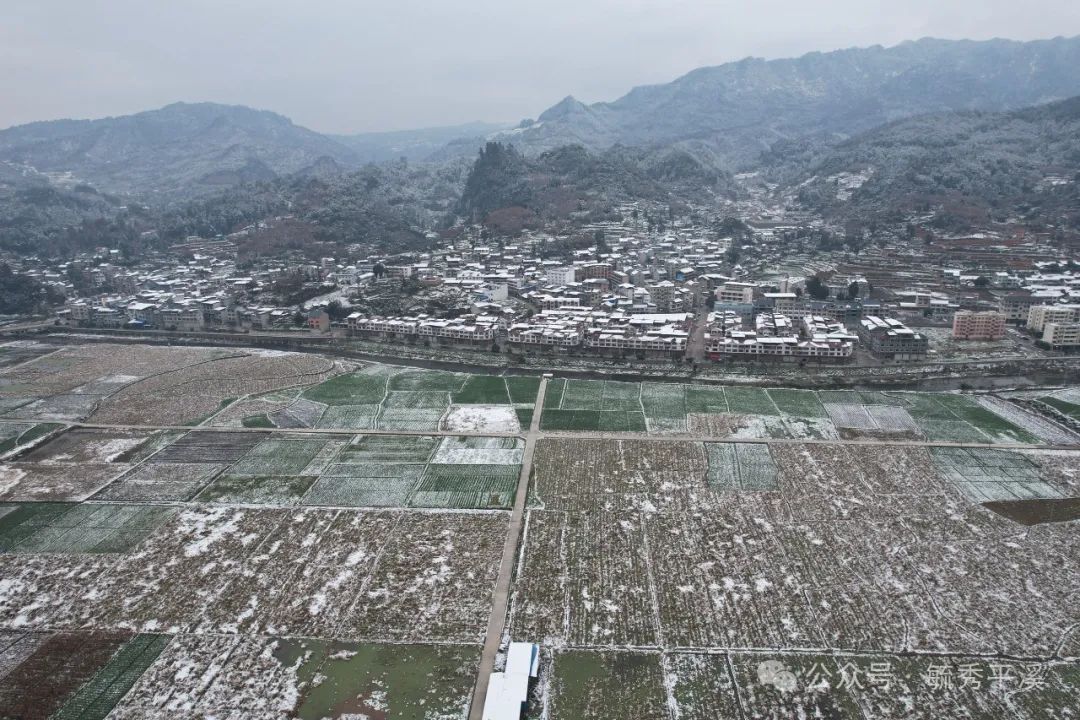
(497,619)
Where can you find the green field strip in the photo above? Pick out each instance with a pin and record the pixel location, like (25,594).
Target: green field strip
(1063,406)
(28,436)
(100,695)
(350,389)
(483,390)
(705,400)
(66,528)
(523,388)
(554,394)
(797,403)
(96,699)
(750,401)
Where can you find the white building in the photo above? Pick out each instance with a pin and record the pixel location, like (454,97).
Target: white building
(508,691)
(559,276)
(1060,336)
(736,292)
(1040,315)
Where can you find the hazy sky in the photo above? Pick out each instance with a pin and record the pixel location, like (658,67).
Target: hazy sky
(358,65)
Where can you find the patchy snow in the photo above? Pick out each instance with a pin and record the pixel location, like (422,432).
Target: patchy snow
(481,418)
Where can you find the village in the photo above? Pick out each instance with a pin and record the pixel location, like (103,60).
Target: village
(766,293)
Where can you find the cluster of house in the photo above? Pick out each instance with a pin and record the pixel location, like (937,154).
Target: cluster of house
(566,330)
(614,333)
(777,336)
(797,337)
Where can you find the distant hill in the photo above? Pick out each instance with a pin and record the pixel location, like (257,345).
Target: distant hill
(509,191)
(181,150)
(974,166)
(735,111)
(420,144)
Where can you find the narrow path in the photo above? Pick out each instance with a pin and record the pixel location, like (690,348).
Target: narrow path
(501,600)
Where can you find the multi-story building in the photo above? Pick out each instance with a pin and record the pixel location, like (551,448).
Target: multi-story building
(1016,306)
(888,337)
(733,292)
(968,325)
(560,276)
(774,338)
(1040,315)
(781,302)
(465,330)
(1061,336)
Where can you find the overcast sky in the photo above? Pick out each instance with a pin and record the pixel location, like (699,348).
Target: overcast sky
(359,65)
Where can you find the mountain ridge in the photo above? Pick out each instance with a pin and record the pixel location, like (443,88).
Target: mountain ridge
(740,108)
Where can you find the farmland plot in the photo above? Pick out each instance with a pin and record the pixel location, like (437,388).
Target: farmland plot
(1066,402)
(209,447)
(466,486)
(482,418)
(1029,422)
(850,416)
(8,402)
(523,389)
(985,420)
(56,481)
(483,390)
(303,678)
(427,381)
(433,581)
(580,405)
(986,474)
(62,662)
(741,466)
(280,455)
(194,393)
(411,419)
(1058,468)
(324,573)
(54,528)
(20,351)
(58,407)
(797,403)
(350,417)
(961,419)
(365,485)
(17,437)
(892,419)
(582,395)
(887,546)
(356,388)
(252,407)
(742,426)
(87,446)
(705,399)
(750,401)
(301,413)
(256,490)
(160,482)
(96,699)
(807,685)
(372,471)
(479,451)
(604,685)
(620,396)
(581,474)
(665,407)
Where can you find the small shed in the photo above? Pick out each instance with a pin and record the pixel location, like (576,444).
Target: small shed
(508,691)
